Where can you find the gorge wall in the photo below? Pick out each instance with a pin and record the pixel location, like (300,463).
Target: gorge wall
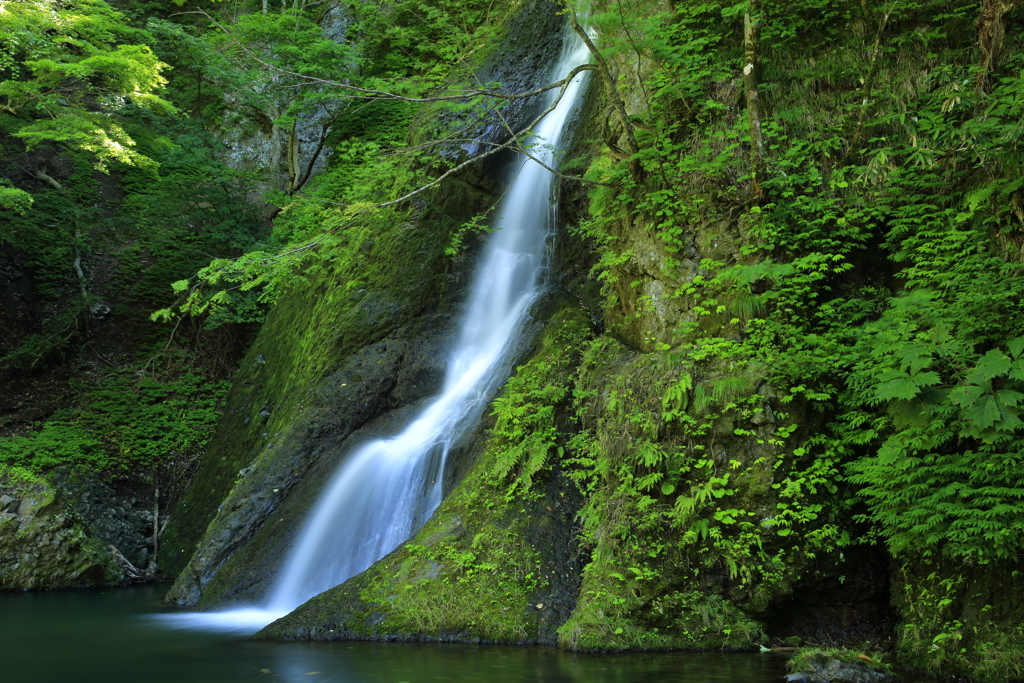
(772,394)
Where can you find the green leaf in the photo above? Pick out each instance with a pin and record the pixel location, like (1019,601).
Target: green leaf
(968,394)
(984,413)
(916,357)
(993,364)
(1016,346)
(908,414)
(896,384)
(1009,397)
(1017,370)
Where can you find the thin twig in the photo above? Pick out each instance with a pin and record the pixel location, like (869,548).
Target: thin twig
(101,357)
(370,93)
(565,84)
(868,83)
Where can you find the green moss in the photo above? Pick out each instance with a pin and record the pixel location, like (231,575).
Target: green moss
(349,298)
(700,513)
(473,575)
(48,545)
(607,619)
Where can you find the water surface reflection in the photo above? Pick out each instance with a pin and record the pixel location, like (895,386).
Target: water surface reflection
(110,636)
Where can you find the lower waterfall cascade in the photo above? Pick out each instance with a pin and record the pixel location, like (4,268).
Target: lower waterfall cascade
(387,488)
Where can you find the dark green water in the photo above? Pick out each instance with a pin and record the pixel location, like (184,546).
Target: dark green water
(110,637)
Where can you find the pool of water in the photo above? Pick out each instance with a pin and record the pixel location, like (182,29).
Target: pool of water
(111,636)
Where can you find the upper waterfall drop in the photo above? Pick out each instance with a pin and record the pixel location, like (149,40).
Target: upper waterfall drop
(386,489)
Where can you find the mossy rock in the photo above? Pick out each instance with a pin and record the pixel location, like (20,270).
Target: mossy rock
(810,665)
(44,544)
(687,457)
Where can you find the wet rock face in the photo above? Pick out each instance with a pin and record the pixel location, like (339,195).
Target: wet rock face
(531,46)
(44,543)
(372,394)
(124,522)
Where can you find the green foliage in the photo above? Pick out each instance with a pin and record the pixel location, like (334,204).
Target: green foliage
(525,433)
(920,383)
(14,200)
(958,618)
(420,41)
(126,423)
(67,74)
(871,293)
(693,620)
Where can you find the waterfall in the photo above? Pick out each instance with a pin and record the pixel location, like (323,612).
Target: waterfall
(385,490)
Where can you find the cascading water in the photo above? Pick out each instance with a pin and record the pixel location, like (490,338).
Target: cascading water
(388,488)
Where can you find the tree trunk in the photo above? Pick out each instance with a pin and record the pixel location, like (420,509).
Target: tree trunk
(990,38)
(293,158)
(275,144)
(325,130)
(613,92)
(751,33)
(869,81)
(77,265)
(156,517)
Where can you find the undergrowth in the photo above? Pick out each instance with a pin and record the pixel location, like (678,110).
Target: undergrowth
(123,423)
(851,317)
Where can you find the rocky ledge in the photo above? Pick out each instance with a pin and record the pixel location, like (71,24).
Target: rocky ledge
(824,668)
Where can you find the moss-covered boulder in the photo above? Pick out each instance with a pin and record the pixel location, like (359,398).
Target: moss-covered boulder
(832,665)
(681,518)
(44,543)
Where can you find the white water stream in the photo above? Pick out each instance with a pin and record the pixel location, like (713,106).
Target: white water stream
(386,490)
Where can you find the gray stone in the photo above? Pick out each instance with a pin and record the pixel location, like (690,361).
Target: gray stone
(817,670)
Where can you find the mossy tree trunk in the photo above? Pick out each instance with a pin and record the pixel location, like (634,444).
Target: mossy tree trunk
(751,34)
(991,33)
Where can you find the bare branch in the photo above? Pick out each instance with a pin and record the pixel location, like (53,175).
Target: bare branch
(369,93)
(507,145)
(562,175)
(522,149)
(606,75)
